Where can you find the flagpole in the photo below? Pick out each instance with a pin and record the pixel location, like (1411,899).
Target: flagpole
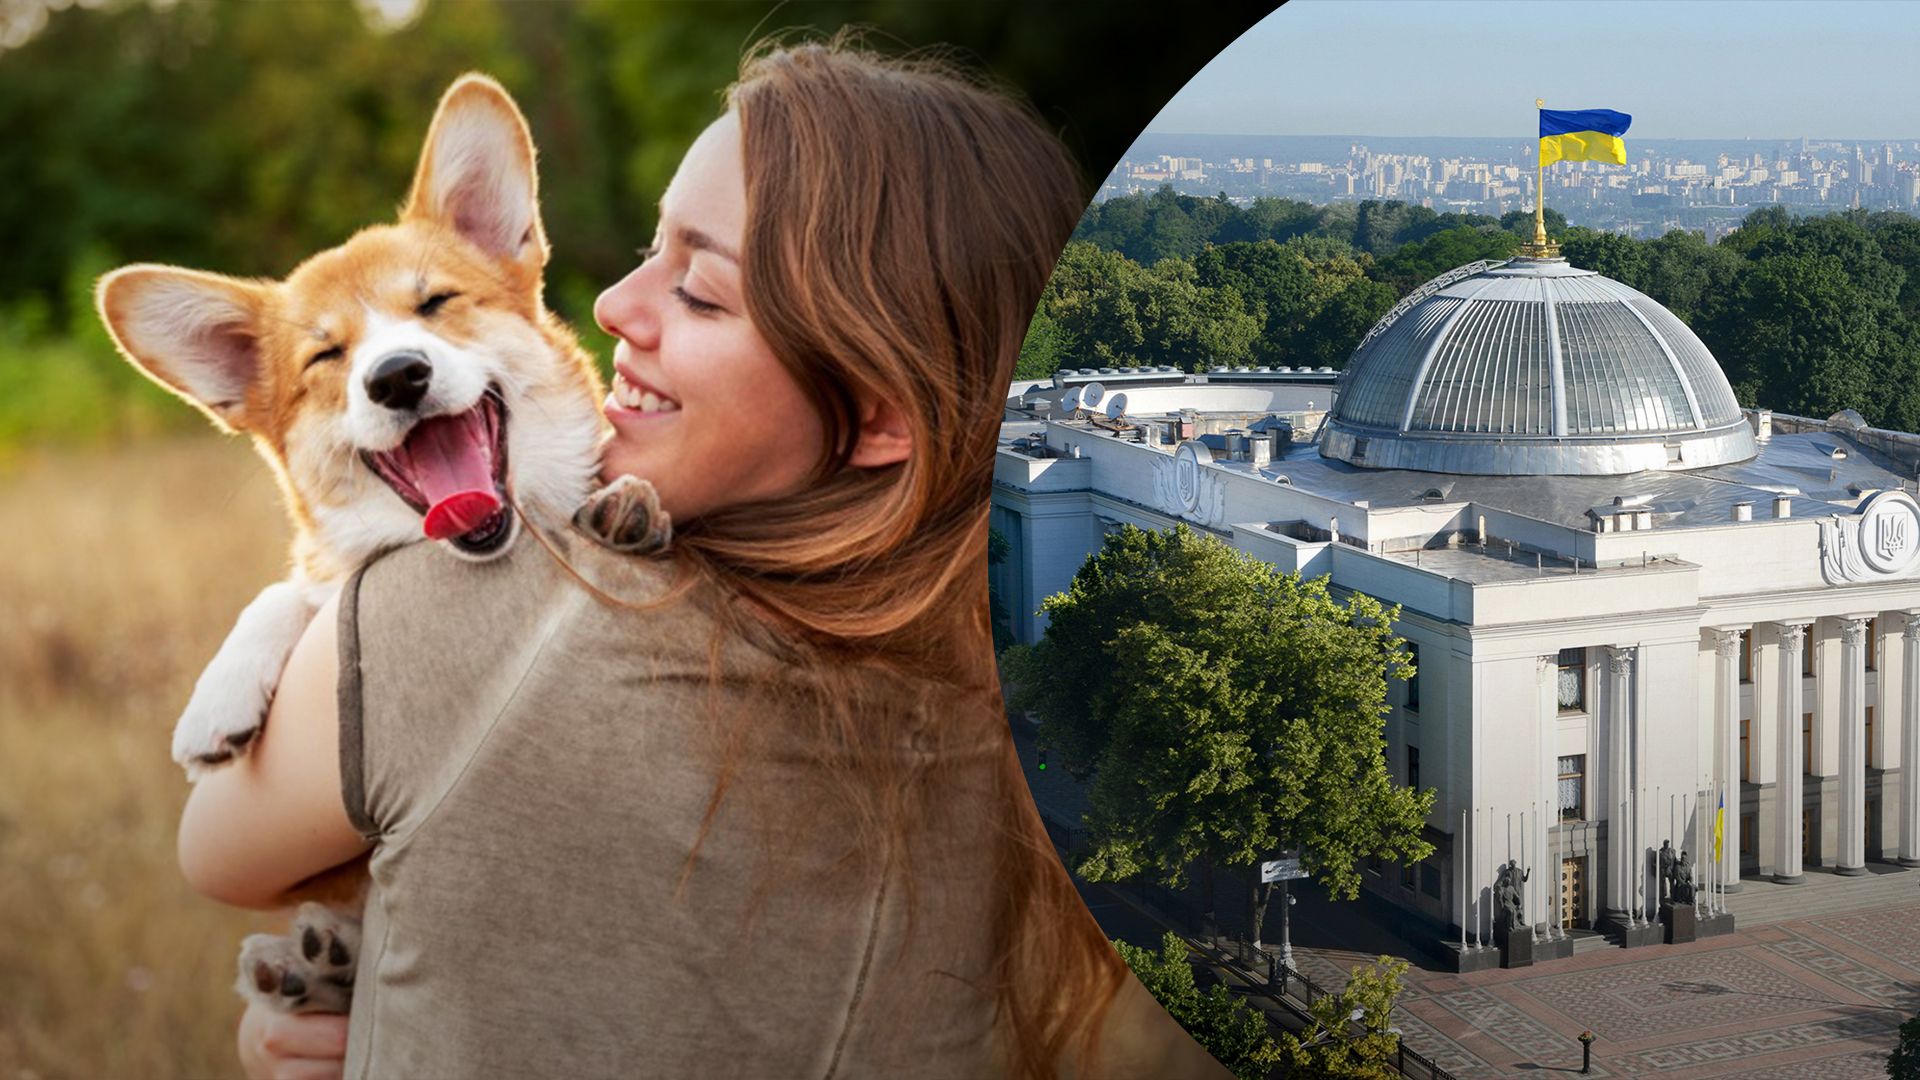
(1540,191)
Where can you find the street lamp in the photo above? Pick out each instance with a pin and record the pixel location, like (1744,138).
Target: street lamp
(1283,870)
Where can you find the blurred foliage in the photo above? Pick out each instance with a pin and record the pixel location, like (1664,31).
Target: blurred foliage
(1806,315)
(242,137)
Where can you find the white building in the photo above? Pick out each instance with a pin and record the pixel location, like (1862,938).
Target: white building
(1629,598)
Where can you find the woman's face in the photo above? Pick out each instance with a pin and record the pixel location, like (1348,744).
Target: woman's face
(700,407)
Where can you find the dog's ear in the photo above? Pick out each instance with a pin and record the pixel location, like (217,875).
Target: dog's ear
(476,174)
(196,334)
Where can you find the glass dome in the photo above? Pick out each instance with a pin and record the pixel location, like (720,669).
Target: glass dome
(1534,367)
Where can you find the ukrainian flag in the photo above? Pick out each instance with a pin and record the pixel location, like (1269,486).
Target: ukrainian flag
(1719,825)
(1583,135)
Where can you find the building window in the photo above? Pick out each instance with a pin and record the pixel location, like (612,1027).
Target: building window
(1870,759)
(1749,837)
(1806,744)
(1873,643)
(1573,680)
(1413,681)
(1430,877)
(1413,767)
(1573,788)
(1807,645)
(1746,656)
(1746,750)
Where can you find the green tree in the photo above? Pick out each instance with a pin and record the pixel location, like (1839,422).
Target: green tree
(1904,1062)
(1808,341)
(1621,258)
(1046,348)
(1092,299)
(1274,283)
(1235,1033)
(1172,232)
(1224,711)
(1351,1036)
(1520,223)
(1414,264)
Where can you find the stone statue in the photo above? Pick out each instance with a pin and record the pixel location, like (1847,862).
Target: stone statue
(1667,859)
(1680,880)
(1507,893)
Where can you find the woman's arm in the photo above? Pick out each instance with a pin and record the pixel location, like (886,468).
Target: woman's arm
(274,817)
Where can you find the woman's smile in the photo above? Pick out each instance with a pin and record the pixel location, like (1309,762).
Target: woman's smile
(633,399)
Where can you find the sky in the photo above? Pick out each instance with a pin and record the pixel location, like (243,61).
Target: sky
(1687,69)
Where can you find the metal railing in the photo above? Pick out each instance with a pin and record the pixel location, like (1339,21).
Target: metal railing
(1297,994)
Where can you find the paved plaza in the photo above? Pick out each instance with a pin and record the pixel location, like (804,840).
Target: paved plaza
(1812,987)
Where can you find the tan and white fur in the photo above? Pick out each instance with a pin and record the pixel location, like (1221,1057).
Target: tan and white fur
(329,370)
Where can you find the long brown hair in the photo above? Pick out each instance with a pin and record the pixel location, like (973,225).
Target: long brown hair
(903,218)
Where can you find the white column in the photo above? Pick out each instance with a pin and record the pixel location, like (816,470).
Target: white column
(1788,762)
(1546,883)
(1853,747)
(1623,856)
(1726,650)
(1910,745)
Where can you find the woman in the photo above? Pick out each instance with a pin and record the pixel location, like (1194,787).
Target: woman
(748,806)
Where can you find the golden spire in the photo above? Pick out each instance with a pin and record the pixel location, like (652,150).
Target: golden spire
(1541,247)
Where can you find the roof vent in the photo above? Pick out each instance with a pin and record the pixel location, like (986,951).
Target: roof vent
(1782,506)
(1743,511)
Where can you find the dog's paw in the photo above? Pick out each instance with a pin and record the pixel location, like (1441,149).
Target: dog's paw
(230,701)
(310,969)
(329,942)
(221,719)
(626,516)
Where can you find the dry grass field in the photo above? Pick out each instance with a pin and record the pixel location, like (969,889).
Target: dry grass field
(120,572)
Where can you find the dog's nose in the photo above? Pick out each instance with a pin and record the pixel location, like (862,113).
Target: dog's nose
(399,381)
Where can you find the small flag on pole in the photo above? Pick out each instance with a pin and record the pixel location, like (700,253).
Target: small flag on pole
(1719,825)
(1583,135)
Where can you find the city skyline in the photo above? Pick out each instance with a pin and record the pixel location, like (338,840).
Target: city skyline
(1768,71)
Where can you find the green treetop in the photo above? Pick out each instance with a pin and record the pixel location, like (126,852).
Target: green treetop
(1224,711)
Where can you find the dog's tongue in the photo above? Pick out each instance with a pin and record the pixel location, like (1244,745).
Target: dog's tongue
(453,467)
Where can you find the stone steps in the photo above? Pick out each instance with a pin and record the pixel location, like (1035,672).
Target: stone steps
(1586,941)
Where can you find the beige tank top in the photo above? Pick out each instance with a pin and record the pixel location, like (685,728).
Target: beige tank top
(535,766)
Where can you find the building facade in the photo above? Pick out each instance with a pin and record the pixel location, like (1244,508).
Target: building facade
(1641,616)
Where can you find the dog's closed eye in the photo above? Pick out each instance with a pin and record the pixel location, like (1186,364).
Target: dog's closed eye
(324,355)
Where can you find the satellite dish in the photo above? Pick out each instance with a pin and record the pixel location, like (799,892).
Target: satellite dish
(1117,406)
(1091,394)
(1071,402)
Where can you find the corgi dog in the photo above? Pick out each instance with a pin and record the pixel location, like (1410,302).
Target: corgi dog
(409,382)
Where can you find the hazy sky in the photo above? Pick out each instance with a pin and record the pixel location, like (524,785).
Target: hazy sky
(1699,69)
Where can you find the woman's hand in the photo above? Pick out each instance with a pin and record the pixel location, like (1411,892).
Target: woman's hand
(280,1046)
